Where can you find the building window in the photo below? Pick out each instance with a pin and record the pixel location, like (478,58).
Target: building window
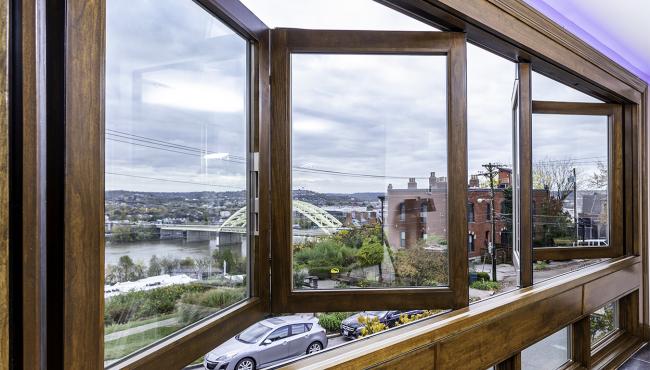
(402,212)
(423,213)
(470,212)
(402,239)
(470,243)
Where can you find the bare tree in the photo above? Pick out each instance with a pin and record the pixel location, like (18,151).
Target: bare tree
(201,265)
(556,176)
(599,179)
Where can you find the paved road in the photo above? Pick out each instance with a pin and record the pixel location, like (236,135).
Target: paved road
(139,329)
(336,341)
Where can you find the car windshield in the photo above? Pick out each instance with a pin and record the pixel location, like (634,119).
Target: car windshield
(375,313)
(253,333)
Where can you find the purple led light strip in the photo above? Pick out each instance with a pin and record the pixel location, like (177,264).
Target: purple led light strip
(570,26)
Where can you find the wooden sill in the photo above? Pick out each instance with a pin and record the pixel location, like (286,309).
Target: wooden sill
(419,337)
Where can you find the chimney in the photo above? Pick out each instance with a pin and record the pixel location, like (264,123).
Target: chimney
(505,176)
(473,181)
(412,184)
(432,181)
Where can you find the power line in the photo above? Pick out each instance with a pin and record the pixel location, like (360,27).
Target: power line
(170,180)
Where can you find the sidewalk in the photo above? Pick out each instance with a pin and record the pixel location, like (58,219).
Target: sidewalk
(139,329)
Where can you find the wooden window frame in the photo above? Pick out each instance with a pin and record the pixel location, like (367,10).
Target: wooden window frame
(522,196)
(616,246)
(287,41)
(84,250)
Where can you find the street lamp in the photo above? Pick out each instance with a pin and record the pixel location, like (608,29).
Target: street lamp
(492,248)
(381,199)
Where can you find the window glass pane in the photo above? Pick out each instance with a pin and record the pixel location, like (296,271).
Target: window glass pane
(176,153)
(547,354)
(490,80)
(548,89)
(281,333)
(570,180)
(369,150)
(570,186)
(297,329)
(333,15)
(604,322)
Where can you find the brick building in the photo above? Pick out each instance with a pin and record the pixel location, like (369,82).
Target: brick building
(418,214)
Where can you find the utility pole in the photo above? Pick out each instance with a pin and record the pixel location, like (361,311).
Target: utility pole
(491,170)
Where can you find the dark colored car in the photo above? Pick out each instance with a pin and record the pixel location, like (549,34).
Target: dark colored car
(351,327)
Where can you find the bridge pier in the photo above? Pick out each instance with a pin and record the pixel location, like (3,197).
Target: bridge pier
(197,236)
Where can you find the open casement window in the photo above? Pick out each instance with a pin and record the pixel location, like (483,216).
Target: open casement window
(577,180)
(521,215)
(184,125)
(376,119)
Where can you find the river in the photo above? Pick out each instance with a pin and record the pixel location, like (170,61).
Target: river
(143,250)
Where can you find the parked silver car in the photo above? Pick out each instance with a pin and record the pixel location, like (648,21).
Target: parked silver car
(268,342)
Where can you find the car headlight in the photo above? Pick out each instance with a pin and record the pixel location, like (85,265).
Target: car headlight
(227,356)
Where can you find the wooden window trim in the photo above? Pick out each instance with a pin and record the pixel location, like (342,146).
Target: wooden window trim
(4,185)
(287,41)
(614,115)
(84,260)
(451,333)
(523,141)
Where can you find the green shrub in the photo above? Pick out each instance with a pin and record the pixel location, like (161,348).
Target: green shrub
(298,279)
(196,305)
(320,272)
(189,313)
(332,321)
(325,254)
(540,265)
(216,298)
(145,304)
(482,276)
(485,285)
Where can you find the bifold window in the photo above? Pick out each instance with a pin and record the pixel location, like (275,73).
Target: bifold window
(577,180)
(367,214)
(341,155)
(177,243)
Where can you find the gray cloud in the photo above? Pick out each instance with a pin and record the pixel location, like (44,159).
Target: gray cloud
(175,82)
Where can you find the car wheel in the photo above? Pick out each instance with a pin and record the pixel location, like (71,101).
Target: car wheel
(245,364)
(314,347)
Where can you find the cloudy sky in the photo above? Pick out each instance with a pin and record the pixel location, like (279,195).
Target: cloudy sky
(176,103)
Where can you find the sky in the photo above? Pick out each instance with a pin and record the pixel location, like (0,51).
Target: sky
(176,103)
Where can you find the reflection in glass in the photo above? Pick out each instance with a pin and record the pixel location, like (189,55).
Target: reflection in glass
(544,88)
(549,353)
(490,202)
(570,181)
(369,171)
(603,322)
(176,153)
(570,187)
(333,15)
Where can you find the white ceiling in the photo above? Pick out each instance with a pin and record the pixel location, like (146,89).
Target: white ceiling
(619,28)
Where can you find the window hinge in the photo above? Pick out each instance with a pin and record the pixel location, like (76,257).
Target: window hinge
(255,196)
